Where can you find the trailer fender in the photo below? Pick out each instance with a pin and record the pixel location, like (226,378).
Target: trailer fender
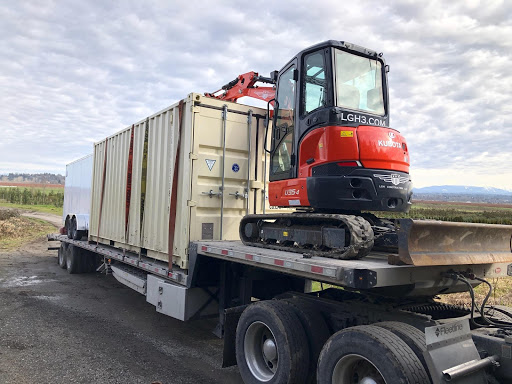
(82,222)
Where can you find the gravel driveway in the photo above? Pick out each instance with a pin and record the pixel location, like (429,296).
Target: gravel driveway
(88,328)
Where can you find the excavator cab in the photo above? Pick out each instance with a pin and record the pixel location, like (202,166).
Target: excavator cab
(331,145)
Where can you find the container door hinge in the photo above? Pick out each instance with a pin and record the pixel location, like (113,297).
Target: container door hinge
(191,203)
(193,156)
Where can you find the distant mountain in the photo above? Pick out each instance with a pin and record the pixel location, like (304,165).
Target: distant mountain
(461,190)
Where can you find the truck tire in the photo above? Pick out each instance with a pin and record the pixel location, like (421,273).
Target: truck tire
(68,228)
(62,255)
(369,354)
(317,331)
(75,233)
(412,336)
(74,259)
(271,345)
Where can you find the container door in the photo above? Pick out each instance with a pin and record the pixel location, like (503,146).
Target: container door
(214,208)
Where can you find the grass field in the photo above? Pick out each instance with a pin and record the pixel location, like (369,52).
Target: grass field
(45,198)
(39,208)
(501,295)
(16,230)
(465,212)
(46,187)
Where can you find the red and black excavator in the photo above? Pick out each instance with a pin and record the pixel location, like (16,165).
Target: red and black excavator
(333,156)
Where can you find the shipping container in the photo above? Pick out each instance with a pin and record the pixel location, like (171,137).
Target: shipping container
(217,181)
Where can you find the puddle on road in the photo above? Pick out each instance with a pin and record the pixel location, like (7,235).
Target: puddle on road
(23,281)
(48,298)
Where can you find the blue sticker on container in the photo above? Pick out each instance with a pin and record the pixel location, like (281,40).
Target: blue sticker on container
(235,167)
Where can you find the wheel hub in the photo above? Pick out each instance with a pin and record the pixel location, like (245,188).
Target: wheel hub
(356,369)
(269,350)
(260,351)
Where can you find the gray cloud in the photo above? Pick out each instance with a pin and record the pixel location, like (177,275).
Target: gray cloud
(74,72)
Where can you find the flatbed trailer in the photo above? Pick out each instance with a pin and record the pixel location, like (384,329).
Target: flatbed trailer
(167,197)
(225,278)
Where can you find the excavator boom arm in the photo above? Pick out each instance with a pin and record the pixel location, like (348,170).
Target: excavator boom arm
(245,85)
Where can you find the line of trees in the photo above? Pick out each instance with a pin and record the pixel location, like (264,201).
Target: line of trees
(32,196)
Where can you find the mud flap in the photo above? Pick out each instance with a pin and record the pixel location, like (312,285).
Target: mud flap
(450,345)
(232,315)
(429,242)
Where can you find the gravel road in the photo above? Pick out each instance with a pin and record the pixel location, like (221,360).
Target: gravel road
(52,219)
(88,328)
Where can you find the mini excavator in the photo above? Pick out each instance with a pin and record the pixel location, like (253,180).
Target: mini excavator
(333,156)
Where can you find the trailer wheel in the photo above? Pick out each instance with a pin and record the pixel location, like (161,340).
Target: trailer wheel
(317,331)
(75,233)
(271,345)
(74,259)
(62,255)
(412,336)
(369,354)
(68,228)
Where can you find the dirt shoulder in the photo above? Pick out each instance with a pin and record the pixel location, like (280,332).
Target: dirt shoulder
(53,219)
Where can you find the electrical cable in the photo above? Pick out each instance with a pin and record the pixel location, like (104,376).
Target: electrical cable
(492,323)
(472,294)
(480,310)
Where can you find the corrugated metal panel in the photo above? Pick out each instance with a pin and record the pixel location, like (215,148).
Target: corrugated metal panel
(161,154)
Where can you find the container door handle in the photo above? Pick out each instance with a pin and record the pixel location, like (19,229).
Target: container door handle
(210,193)
(238,195)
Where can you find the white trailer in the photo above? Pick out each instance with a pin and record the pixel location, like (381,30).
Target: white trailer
(166,202)
(77,197)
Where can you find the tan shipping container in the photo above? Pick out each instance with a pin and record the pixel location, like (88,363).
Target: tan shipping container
(205,164)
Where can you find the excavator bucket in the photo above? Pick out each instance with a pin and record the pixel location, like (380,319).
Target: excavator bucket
(429,242)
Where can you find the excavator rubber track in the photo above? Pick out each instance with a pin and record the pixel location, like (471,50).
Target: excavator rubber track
(328,235)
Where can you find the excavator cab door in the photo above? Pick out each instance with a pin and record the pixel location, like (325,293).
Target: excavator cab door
(282,155)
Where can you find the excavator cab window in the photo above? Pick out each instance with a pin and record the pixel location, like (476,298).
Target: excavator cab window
(315,84)
(282,137)
(359,83)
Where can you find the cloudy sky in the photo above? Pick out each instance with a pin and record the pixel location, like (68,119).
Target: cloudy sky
(73,72)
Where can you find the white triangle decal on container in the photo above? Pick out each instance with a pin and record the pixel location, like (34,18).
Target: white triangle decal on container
(210,163)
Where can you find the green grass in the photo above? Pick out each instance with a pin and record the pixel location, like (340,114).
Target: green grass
(32,188)
(39,208)
(502,294)
(317,286)
(473,213)
(474,207)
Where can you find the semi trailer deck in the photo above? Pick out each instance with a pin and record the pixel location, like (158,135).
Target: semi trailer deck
(371,272)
